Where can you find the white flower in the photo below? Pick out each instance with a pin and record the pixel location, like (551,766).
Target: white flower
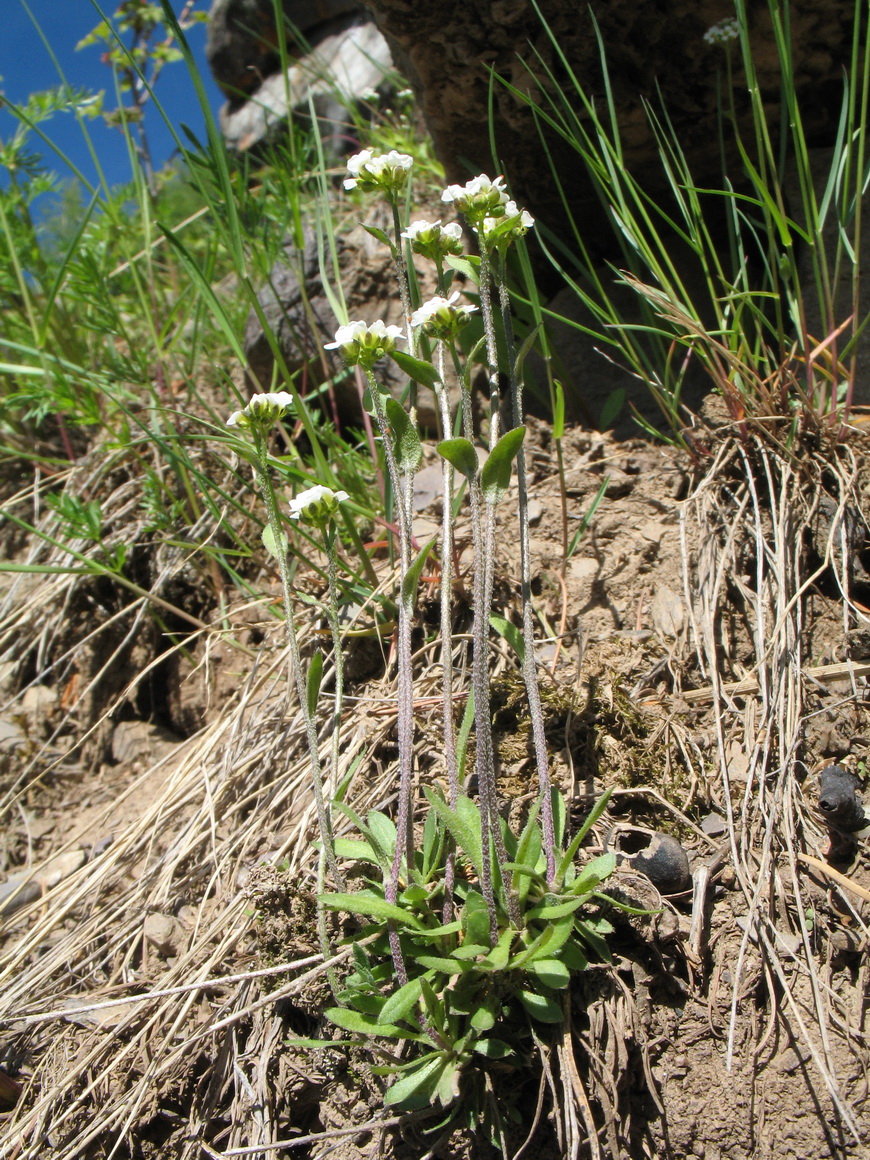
(433,240)
(724,31)
(441,317)
(317,505)
(478,198)
(510,224)
(262,410)
(365,343)
(386,172)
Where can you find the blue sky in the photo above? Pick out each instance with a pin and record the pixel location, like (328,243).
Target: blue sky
(26,66)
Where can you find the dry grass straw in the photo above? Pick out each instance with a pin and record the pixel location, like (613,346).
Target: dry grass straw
(751,517)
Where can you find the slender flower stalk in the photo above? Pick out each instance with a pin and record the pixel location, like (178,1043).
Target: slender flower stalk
(257,418)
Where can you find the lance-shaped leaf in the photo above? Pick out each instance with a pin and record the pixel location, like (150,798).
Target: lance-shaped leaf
(495,476)
(418,369)
(469,266)
(407,447)
(460,454)
(412,576)
(511,634)
(370,905)
(379,235)
(275,546)
(315,674)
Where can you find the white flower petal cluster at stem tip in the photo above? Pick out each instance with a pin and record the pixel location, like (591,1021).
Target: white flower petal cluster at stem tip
(512,223)
(724,31)
(478,198)
(369,171)
(317,505)
(433,240)
(365,343)
(262,410)
(441,317)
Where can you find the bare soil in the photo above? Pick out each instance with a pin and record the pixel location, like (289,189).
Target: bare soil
(168,761)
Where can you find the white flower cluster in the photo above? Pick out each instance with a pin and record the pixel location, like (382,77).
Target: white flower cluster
(382,172)
(441,317)
(724,31)
(317,505)
(478,198)
(432,240)
(262,411)
(365,343)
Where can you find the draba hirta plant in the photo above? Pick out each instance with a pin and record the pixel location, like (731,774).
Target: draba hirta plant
(471,932)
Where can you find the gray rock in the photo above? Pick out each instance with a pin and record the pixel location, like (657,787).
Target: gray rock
(242,42)
(659,856)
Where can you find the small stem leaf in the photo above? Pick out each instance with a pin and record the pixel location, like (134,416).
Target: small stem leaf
(412,576)
(469,266)
(401,1003)
(370,905)
(407,447)
(379,235)
(559,411)
(460,454)
(418,369)
(511,634)
(440,964)
(528,343)
(276,547)
(549,910)
(315,673)
(495,475)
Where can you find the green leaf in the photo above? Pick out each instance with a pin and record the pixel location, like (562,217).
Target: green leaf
(442,965)
(569,855)
(379,235)
(416,1088)
(493,1048)
(371,905)
(549,910)
(499,956)
(528,343)
(412,576)
(355,851)
(470,362)
(463,823)
(469,266)
(469,951)
(400,1004)
(551,972)
(407,447)
(315,672)
(483,1019)
(613,404)
(275,547)
(558,410)
(541,1007)
(460,454)
(511,634)
(475,920)
(593,874)
(418,369)
(534,950)
(359,1024)
(573,957)
(495,475)
(382,833)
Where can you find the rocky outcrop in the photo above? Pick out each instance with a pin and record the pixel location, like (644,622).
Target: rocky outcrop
(337,56)
(450,52)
